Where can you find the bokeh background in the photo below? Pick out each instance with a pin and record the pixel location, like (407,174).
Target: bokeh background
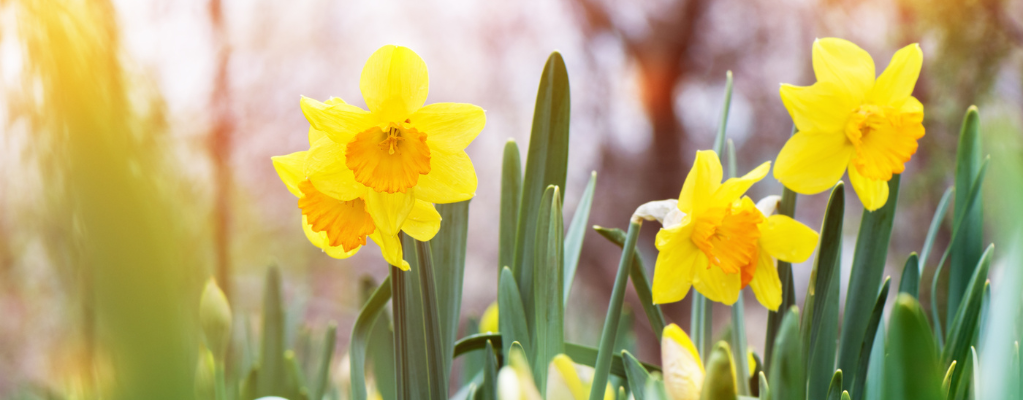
(162,116)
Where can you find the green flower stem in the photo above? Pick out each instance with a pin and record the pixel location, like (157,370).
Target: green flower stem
(614,312)
(398,295)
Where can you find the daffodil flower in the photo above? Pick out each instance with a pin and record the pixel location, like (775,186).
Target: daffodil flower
(680,363)
(718,241)
(398,152)
(850,121)
(566,380)
(340,227)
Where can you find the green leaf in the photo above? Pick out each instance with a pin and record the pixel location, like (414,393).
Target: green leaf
(719,140)
(437,359)
(964,325)
(820,311)
(948,378)
(867,269)
(869,338)
(546,164)
(472,363)
(640,281)
(489,373)
(738,340)
(968,246)
(654,390)
(835,388)
(511,193)
(614,312)
(319,387)
(549,313)
(719,383)
(932,232)
(911,366)
(448,248)
(786,207)
(381,354)
(959,389)
(787,376)
(582,355)
(408,356)
(576,232)
(873,388)
(272,375)
(636,375)
(910,282)
(511,318)
(765,390)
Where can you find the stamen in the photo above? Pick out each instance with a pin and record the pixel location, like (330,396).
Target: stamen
(393,137)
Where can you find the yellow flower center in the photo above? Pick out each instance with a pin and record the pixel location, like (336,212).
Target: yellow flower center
(346,222)
(729,237)
(389,160)
(883,142)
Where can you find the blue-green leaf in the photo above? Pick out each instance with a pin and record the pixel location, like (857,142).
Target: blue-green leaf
(820,312)
(361,336)
(448,248)
(640,281)
(511,193)
(787,375)
(912,370)
(614,312)
(636,375)
(910,282)
(870,342)
(512,317)
(968,245)
(576,232)
(549,313)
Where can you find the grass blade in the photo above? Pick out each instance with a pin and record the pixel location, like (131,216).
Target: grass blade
(511,193)
(787,376)
(512,316)
(867,269)
(549,313)
(968,246)
(910,281)
(546,164)
(911,364)
(614,311)
(576,232)
(448,248)
(640,281)
(820,328)
(861,375)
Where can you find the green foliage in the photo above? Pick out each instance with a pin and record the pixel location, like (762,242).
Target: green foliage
(575,234)
(912,369)
(967,246)
(640,281)
(549,314)
(820,310)
(720,381)
(787,376)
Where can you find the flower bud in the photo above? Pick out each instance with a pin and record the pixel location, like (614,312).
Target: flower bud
(205,376)
(215,318)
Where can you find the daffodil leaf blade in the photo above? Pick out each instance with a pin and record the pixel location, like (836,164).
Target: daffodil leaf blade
(820,327)
(546,164)
(322,372)
(489,373)
(968,245)
(635,374)
(835,388)
(787,369)
(511,193)
(576,233)
(738,341)
(272,368)
(512,317)
(910,281)
(549,309)
(448,248)
(867,270)
(362,336)
(912,369)
(963,326)
(870,342)
(719,383)
(786,207)
(640,281)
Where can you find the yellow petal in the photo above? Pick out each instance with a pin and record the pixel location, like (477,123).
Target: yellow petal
(717,285)
(681,366)
(676,260)
(339,121)
(766,284)
(703,179)
(812,162)
(289,169)
(315,135)
(898,80)
(326,169)
(319,239)
(821,107)
(390,248)
(449,126)
(423,222)
(389,210)
(563,381)
(734,188)
(490,321)
(873,193)
(787,239)
(452,178)
(844,63)
(394,83)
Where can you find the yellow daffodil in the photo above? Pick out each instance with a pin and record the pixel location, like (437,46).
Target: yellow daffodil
(340,227)
(398,152)
(565,380)
(718,241)
(850,121)
(680,363)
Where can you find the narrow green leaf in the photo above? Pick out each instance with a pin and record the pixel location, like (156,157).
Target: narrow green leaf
(959,389)
(719,140)
(912,369)
(932,232)
(765,390)
(869,338)
(621,393)
(786,207)
(437,360)
(614,310)
(380,353)
(910,282)
(448,248)
(873,385)
(322,377)
(511,193)
(968,246)
(272,369)
(787,376)
(654,390)
(730,150)
(867,269)
(738,340)
(546,164)
(835,388)
(964,324)
(636,375)
(948,378)
(512,317)
(473,362)
(490,373)
(845,395)
(640,281)
(582,355)
(549,313)
(719,383)
(976,384)
(576,232)
(820,327)
(404,359)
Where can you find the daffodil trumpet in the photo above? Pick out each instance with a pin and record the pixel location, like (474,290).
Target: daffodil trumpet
(716,240)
